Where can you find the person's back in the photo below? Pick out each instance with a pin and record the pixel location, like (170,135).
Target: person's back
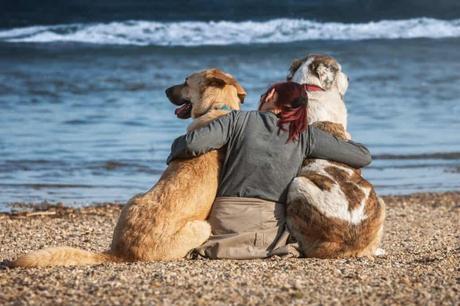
(259,162)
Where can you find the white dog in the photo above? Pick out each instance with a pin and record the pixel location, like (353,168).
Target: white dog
(332,211)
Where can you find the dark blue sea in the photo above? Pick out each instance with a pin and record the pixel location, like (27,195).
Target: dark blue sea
(84,118)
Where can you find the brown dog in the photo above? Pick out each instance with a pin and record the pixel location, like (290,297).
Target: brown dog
(332,211)
(167,221)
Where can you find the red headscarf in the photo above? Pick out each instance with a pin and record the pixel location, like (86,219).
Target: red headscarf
(292,100)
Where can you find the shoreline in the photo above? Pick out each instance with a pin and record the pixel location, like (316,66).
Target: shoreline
(22,208)
(421,241)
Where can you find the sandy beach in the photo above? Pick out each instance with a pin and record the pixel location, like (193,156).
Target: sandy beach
(86,122)
(421,265)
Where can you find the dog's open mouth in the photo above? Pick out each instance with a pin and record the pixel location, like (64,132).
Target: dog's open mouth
(184,111)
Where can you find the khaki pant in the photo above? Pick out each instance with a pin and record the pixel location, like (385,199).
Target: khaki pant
(246,228)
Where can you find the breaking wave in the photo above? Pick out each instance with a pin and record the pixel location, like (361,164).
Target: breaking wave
(197,33)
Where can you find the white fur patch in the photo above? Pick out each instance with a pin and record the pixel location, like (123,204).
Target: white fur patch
(379,252)
(332,203)
(320,164)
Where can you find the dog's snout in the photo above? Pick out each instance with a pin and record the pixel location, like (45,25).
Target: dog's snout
(174,95)
(168,91)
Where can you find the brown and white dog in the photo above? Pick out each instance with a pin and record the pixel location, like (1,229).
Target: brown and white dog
(167,221)
(332,211)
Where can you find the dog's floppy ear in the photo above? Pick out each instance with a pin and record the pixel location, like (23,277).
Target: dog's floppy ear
(293,68)
(240,91)
(214,80)
(218,78)
(342,83)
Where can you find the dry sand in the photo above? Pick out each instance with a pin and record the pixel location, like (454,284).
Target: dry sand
(421,266)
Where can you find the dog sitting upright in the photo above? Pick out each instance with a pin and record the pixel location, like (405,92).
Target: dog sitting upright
(332,211)
(167,221)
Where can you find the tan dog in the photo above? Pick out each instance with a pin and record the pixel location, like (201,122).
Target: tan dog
(332,211)
(167,221)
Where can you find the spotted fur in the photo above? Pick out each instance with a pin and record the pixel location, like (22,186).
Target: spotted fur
(332,211)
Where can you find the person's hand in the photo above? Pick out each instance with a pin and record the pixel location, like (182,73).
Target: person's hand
(348,135)
(267,101)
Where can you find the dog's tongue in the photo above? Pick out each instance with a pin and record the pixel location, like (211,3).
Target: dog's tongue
(184,111)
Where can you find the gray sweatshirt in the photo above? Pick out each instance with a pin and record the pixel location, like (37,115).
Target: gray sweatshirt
(259,163)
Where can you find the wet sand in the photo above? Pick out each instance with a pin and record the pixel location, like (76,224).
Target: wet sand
(421,265)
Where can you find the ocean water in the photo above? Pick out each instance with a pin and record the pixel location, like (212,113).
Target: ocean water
(84,117)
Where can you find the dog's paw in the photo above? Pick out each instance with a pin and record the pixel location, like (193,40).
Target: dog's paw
(379,252)
(201,229)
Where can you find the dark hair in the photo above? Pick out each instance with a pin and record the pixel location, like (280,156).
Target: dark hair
(292,100)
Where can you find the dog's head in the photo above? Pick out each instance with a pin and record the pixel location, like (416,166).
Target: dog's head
(203,90)
(321,70)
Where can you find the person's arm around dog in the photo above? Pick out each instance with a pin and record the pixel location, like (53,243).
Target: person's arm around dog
(213,136)
(321,145)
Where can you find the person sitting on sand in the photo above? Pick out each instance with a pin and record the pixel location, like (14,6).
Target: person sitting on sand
(264,152)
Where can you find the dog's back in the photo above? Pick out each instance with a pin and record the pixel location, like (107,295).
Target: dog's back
(332,210)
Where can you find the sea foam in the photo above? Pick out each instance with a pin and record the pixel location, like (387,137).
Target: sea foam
(198,33)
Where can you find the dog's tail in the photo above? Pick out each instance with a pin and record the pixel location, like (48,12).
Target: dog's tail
(63,256)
